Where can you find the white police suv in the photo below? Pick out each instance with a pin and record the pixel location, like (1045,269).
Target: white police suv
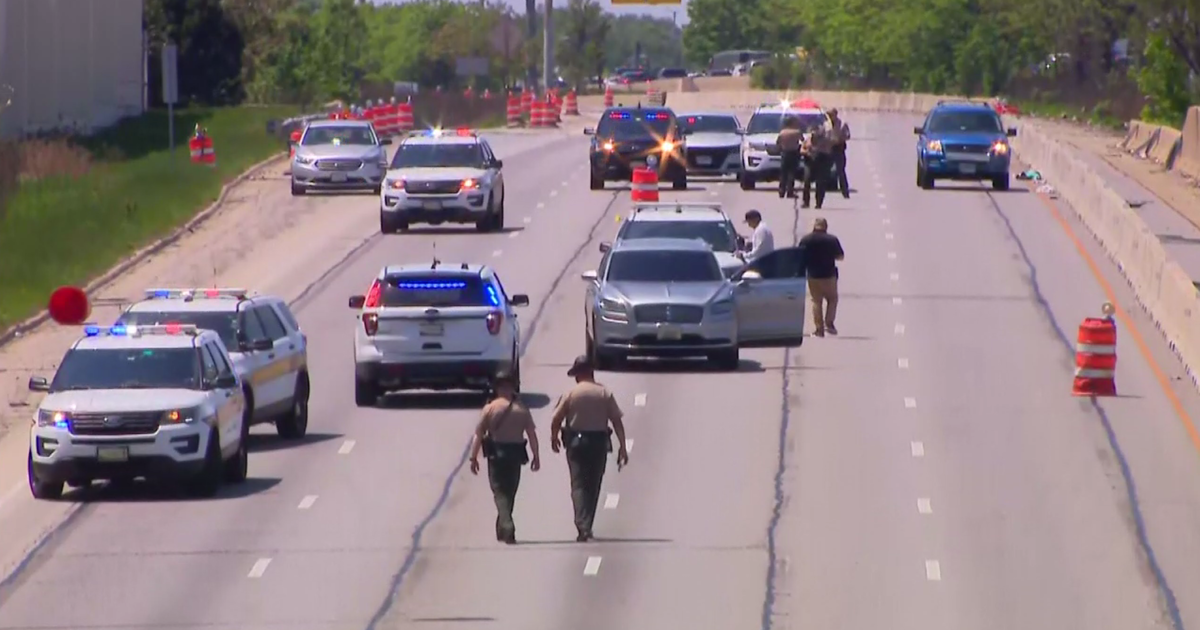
(267,348)
(438,177)
(436,327)
(140,401)
(760,156)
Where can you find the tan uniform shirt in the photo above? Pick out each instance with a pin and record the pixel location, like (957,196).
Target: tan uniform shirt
(507,428)
(588,407)
(789,140)
(841,132)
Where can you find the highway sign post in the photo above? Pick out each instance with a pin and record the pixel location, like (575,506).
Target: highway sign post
(170,88)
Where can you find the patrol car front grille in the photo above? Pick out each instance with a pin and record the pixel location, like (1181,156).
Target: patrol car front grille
(115,424)
(668,313)
(339,165)
(717,156)
(447,187)
(967,148)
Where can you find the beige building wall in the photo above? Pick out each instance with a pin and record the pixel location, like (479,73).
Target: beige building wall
(74,64)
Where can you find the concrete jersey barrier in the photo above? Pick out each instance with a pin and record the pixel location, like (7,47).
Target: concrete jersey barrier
(1174,149)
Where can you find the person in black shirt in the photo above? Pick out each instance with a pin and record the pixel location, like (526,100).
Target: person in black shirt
(822,250)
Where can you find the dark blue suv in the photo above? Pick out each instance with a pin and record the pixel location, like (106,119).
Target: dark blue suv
(963,141)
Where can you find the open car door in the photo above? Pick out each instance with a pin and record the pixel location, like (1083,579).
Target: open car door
(770,301)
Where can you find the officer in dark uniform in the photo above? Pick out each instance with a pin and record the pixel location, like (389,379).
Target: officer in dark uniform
(500,436)
(582,420)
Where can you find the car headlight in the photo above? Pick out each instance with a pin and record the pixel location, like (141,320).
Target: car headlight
(47,418)
(934,146)
(395,184)
(1000,148)
(608,147)
(181,416)
(609,305)
(722,307)
(303,159)
(668,146)
(470,184)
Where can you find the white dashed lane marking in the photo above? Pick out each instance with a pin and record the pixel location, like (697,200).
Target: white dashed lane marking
(541,204)
(639,400)
(897,300)
(898,329)
(917,448)
(889,236)
(611,501)
(891,255)
(933,570)
(895,277)
(887,221)
(553,193)
(513,234)
(902,364)
(496,254)
(910,403)
(593,565)
(307,502)
(527,220)
(924,506)
(883,206)
(259,568)
(346,447)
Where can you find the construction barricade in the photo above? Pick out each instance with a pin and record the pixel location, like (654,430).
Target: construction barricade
(201,148)
(512,112)
(644,186)
(571,105)
(1096,356)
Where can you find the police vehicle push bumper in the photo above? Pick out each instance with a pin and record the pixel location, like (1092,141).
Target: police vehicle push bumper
(336,174)
(434,202)
(688,331)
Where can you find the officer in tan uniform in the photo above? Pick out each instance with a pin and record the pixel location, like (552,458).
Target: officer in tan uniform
(582,419)
(790,138)
(500,436)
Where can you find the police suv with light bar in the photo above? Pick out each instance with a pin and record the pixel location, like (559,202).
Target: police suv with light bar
(139,401)
(268,351)
(631,138)
(436,327)
(441,177)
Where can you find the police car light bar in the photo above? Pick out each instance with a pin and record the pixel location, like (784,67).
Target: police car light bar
(189,294)
(138,331)
(678,205)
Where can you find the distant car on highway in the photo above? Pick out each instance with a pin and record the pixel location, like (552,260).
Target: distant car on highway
(963,141)
(706,221)
(339,155)
(630,138)
(443,176)
(714,143)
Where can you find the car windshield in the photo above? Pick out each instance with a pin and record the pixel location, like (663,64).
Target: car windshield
(772,122)
(965,122)
(439,290)
(223,323)
(626,125)
(356,135)
(709,124)
(459,155)
(718,234)
(128,368)
(663,266)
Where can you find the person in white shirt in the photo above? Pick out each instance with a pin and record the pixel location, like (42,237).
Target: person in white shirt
(762,242)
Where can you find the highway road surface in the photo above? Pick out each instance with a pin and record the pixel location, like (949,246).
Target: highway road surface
(927,469)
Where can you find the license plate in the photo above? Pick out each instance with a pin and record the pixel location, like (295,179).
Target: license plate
(432,329)
(704,160)
(966,169)
(669,333)
(337,177)
(432,205)
(112,454)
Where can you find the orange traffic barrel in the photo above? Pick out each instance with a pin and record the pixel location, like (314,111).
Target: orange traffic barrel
(1096,358)
(608,96)
(527,105)
(512,111)
(644,186)
(571,107)
(404,120)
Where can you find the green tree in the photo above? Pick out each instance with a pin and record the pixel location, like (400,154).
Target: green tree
(210,49)
(584,37)
(1163,78)
(340,33)
(717,25)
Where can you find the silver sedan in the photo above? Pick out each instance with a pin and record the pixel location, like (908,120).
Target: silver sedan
(339,155)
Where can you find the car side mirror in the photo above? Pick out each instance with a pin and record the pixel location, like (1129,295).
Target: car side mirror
(385,141)
(589,275)
(604,247)
(225,381)
(498,163)
(519,299)
(38,384)
(258,345)
(918,130)
(1012,132)
(357,301)
(589,131)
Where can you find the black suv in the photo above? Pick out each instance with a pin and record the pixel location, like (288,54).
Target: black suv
(635,137)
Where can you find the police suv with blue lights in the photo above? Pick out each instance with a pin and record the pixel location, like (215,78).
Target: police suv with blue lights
(268,351)
(438,177)
(963,141)
(139,401)
(437,327)
(631,138)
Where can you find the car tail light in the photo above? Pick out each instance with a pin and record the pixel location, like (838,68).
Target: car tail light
(494,319)
(373,295)
(370,323)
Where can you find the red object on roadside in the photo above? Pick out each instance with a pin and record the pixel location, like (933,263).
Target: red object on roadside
(69,306)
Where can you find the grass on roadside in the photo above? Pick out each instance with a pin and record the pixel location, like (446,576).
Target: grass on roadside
(1097,116)
(116,192)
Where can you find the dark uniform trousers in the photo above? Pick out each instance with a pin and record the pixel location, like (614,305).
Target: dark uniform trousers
(504,474)
(586,465)
(789,165)
(839,158)
(818,170)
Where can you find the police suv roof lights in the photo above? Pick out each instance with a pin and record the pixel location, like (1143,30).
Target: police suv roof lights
(190,294)
(91,330)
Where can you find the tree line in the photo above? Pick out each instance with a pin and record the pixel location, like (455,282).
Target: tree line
(310,51)
(1122,57)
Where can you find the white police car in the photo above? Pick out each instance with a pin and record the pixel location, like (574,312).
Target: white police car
(150,402)
(760,155)
(438,177)
(436,327)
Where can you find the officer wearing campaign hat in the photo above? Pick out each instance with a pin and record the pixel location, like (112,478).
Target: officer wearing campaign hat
(501,437)
(581,424)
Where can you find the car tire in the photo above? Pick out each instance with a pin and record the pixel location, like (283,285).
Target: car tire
(208,482)
(43,490)
(294,425)
(920,177)
(726,360)
(378,190)
(297,191)
(1002,182)
(237,469)
(927,181)
(680,183)
(366,393)
(747,181)
(595,183)
(386,226)
(516,375)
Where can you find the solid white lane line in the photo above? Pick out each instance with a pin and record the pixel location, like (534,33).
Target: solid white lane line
(899,329)
(933,570)
(895,277)
(611,501)
(527,220)
(889,236)
(593,565)
(629,445)
(639,400)
(346,447)
(307,502)
(891,255)
(924,506)
(259,568)
(918,449)
(910,403)
(897,300)
(902,364)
